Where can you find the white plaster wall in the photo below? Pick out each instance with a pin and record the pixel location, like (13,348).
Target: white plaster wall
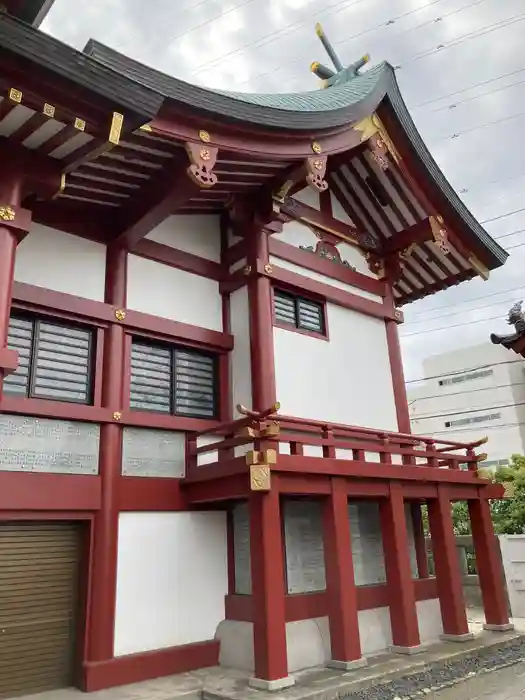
(64,263)
(241,374)
(346,380)
(375,630)
(324,279)
(171,579)
(165,291)
(429,620)
(199,235)
(309,196)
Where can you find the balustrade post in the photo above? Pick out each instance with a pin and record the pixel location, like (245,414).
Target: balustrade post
(328,450)
(447,569)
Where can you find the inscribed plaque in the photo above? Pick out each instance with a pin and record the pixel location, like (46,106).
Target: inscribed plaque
(29,444)
(303,534)
(241,548)
(153,453)
(367,543)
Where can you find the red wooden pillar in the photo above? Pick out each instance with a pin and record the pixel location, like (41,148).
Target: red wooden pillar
(101,622)
(488,562)
(403,612)
(419,540)
(447,569)
(268,592)
(340,583)
(396,369)
(11,181)
(261,323)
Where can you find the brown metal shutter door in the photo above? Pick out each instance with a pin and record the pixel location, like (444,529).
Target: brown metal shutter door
(39,565)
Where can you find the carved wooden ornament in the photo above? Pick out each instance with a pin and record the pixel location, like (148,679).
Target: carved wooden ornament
(260,477)
(316,169)
(203,158)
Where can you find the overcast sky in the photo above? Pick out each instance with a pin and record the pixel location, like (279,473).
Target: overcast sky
(461,68)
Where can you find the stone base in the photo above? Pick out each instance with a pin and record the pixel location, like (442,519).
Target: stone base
(408,651)
(458,637)
(271,686)
(498,628)
(347,665)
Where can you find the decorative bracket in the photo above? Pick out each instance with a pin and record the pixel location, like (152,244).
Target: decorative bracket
(203,159)
(316,170)
(439,234)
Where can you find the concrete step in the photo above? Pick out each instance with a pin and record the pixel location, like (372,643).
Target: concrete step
(389,676)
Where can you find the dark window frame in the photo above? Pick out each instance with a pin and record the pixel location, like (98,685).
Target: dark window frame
(36,320)
(173,349)
(296,326)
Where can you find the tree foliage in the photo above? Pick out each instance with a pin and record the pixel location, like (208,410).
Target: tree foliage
(508,514)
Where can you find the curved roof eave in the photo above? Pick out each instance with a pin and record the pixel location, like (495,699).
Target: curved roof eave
(317,110)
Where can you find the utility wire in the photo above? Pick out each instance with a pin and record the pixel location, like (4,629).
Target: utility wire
(421,105)
(427,416)
(446,328)
(461,313)
(454,373)
(489,93)
(423,54)
(502,216)
(453,431)
(328,11)
(459,393)
(482,185)
(468,301)
(470,129)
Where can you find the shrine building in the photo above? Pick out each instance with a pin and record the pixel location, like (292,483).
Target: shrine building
(205,448)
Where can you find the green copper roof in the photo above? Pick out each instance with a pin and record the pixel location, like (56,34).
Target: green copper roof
(319,100)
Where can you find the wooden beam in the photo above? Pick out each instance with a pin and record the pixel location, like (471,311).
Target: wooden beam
(416,234)
(169,191)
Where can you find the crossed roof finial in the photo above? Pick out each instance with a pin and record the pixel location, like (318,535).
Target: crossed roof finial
(340,75)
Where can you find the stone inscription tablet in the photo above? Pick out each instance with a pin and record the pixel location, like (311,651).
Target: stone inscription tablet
(241,547)
(153,453)
(367,543)
(30,444)
(303,534)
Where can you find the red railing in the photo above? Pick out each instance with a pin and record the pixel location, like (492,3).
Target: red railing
(309,438)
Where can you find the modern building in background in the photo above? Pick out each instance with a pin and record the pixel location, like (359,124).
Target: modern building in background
(470,393)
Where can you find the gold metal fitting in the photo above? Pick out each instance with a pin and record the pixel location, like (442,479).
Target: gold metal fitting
(260,477)
(366,57)
(268,269)
(115,129)
(314,66)
(146,127)
(247,269)
(117,415)
(204,136)
(79,124)
(49,110)
(120,314)
(7,213)
(205,153)
(271,430)
(15,95)
(316,147)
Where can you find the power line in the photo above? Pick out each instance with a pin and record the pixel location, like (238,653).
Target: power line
(446,328)
(426,416)
(454,373)
(466,37)
(415,57)
(469,430)
(468,301)
(469,130)
(465,391)
(502,216)
(466,89)
(482,185)
(271,38)
(460,313)
(489,93)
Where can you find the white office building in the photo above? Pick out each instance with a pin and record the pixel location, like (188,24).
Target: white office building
(471,393)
